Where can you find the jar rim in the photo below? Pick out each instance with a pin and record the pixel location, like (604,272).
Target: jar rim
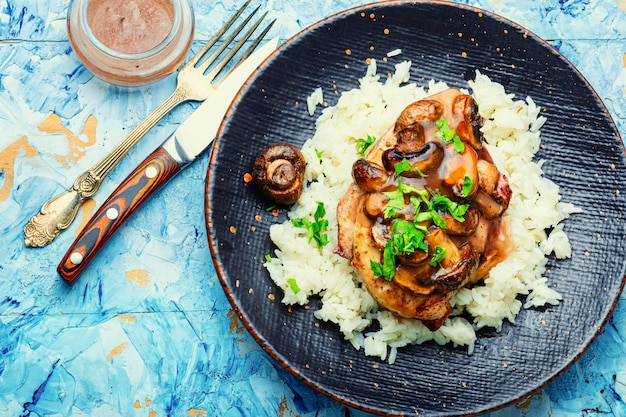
(132,55)
(131,69)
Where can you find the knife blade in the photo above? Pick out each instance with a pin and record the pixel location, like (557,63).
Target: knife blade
(183,146)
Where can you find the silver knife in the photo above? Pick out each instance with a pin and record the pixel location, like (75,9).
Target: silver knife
(181,148)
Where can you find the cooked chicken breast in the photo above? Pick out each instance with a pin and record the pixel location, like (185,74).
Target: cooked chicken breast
(423,216)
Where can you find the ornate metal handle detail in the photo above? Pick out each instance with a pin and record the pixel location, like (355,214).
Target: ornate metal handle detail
(60,211)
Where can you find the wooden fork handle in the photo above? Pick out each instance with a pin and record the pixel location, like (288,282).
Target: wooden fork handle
(156,170)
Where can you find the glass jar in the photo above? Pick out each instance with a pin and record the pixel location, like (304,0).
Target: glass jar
(131,42)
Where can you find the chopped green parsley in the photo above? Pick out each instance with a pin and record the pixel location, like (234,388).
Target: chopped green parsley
(396,198)
(362,145)
(293,284)
(442,203)
(437,257)
(405,166)
(405,239)
(468,186)
(448,135)
(316,229)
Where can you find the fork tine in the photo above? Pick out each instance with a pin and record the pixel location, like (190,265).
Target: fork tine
(254,44)
(222,63)
(250,48)
(194,60)
(211,59)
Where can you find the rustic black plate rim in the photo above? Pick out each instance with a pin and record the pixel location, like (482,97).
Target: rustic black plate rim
(223,276)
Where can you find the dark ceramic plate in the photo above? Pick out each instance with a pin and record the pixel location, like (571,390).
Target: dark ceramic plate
(446,42)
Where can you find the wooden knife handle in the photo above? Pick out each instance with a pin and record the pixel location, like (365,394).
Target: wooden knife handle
(149,176)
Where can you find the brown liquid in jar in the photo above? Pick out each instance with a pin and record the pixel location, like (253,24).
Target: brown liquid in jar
(131,26)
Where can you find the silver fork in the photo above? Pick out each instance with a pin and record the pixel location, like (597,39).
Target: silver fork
(194,83)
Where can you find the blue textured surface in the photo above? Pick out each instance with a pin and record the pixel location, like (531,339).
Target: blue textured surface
(147,331)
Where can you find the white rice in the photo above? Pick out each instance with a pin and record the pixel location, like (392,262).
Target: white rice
(314,99)
(512,133)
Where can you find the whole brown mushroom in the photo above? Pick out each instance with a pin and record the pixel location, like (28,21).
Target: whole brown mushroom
(278,173)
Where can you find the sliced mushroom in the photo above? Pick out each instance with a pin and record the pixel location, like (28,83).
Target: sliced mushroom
(489,207)
(407,213)
(415,279)
(423,160)
(468,128)
(278,173)
(380,234)
(464,228)
(461,166)
(457,264)
(494,183)
(415,258)
(411,137)
(375,204)
(459,273)
(488,175)
(369,176)
(420,111)
(437,237)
